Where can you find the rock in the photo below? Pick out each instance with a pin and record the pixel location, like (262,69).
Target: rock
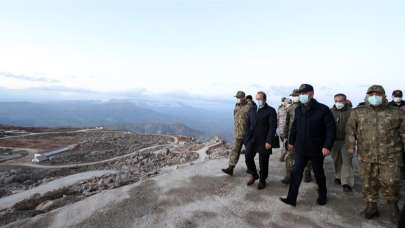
(45,206)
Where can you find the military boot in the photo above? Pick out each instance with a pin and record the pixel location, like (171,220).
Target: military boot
(229,170)
(307,176)
(371,210)
(393,212)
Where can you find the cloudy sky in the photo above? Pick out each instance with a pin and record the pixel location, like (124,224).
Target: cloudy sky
(202,48)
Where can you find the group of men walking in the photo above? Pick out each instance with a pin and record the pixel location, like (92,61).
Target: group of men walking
(310,131)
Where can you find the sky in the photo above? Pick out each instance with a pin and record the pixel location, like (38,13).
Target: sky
(202,48)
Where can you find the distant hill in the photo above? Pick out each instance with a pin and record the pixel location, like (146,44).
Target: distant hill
(116,114)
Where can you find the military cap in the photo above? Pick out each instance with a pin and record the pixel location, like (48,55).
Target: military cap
(240,94)
(304,88)
(397,93)
(295,93)
(376,88)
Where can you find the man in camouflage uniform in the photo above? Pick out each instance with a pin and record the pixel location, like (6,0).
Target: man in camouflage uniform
(378,130)
(342,159)
(240,114)
(281,124)
(289,160)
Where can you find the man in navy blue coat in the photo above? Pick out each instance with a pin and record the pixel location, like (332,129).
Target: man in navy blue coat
(312,136)
(260,138)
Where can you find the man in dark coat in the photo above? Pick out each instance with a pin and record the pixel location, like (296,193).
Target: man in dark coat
(312,136)
(397,99)
(262,125)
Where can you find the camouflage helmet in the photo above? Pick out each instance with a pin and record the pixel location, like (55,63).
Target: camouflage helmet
(240,94)
(376,88)
(295,93)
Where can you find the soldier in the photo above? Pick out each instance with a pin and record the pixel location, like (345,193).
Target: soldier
(281,123)
(378,130)
(289,160)
(250,101)
(240,123)
(342,159)
(397,99)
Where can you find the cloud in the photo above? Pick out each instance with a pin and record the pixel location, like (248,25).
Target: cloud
(27,77)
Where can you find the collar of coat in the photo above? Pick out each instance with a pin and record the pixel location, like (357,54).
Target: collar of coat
(309,106)
(264,106)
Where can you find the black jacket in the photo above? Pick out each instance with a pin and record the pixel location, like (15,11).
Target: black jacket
(313,128)
(262,125)
(396,104)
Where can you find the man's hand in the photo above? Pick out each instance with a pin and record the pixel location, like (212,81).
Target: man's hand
(325,152)
(268,146)
(290,147)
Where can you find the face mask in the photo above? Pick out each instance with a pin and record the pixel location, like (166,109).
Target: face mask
(339,105)
(304,98)
(237,100)
(260,103)
(397,99)
(295,99)
(375,100)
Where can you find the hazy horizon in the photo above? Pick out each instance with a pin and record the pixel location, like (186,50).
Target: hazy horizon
(203,49)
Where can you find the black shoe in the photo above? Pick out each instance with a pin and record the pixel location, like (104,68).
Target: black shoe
(371,211)
(394,212)
(308,177)
(228,170)
(261,185)
(347,188)
(337,181)
(252,180)
(284,200)
(286,181)
(322,201)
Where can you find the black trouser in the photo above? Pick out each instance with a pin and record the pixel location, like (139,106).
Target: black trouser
(402,218)
(296,176)
(264,157)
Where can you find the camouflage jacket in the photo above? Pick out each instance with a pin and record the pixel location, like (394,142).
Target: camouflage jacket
(341,116)
(240,115)
(379,133)
(290,118)
(281,121)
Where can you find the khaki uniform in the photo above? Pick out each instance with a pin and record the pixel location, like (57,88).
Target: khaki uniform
(281,129)
(379,133)
(289,160)
(343,160)
(240,124)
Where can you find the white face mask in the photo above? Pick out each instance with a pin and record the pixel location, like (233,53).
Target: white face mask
(397,99)
(339,105)
(260,103)
(237,100)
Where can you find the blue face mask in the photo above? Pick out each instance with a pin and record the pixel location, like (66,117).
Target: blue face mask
(375,100)
(260,103)
(304,98)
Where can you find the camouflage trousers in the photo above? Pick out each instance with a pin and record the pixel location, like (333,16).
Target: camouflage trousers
(289,164)
(343,162)
(235,153)
(380,176)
